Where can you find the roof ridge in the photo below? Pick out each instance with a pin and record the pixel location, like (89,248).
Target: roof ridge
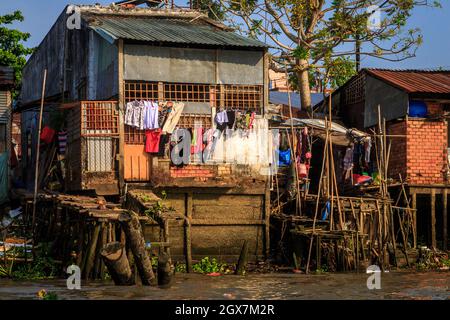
(423,70)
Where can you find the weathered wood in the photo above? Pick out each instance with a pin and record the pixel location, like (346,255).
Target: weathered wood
(187,225)
(444,219)
(165,273)
(242,262)
(103,244)
(135,238)
(91,252)
(115,258)
(120,81)
(414,207)
(433,218)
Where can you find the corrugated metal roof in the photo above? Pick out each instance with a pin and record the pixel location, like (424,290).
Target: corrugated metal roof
(278,97)
(415,81)
(6,76)
(180,31)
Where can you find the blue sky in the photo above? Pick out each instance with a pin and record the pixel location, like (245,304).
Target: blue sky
(434,23)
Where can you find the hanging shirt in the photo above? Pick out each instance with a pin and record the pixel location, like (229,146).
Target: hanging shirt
(173,117)
(151,115)
(197,140)
(129,113)
(221,120)
(231,115)
(152,138)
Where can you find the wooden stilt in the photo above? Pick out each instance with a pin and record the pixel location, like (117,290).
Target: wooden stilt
(91,252)
(187,225)
(444,219)
(133,230)
(433,218)
(414,207)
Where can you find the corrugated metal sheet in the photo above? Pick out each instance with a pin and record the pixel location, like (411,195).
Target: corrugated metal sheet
(6,75)
(5,106)
(278,97)
(182,31)
(415,81)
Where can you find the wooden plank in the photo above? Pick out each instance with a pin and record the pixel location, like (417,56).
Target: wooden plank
(433,218)
(444,219)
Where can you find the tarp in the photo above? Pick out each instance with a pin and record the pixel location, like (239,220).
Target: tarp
(3,177)
(340,135)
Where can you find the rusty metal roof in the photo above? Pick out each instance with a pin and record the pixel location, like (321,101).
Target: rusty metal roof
(180,31)
(6,76)
(415,81)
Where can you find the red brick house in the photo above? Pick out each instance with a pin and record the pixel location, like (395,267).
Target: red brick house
(415,104)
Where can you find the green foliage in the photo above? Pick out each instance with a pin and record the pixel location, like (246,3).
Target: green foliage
(5,270)
(208,266)
(12,51)
(44,295)
(157,207)
(211,7)
(42,267)
(154,262)
(180,268)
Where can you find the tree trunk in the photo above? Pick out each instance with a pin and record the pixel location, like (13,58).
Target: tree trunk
(165,274)
(135,239)
(304,86)
(115,258)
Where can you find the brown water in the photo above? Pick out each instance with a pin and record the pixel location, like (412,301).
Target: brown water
(394,285)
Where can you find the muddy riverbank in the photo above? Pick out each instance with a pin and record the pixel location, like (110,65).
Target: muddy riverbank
(394,285)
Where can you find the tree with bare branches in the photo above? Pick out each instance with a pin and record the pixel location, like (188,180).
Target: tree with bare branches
(321,37)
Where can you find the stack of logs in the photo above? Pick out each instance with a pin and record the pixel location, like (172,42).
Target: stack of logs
(96,236)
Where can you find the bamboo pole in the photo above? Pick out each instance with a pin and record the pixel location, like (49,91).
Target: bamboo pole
(297,183)
(36,169)
(325,151)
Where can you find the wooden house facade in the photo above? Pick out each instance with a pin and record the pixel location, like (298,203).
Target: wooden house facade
(125,55)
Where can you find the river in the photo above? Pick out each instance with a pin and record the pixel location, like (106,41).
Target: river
(394,285)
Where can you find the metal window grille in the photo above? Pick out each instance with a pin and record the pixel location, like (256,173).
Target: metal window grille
(236,97)
(99,118)
(240,97)
(354,92)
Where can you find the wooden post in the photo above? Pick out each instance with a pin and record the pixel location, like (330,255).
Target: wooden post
(121,64)
(135,238)
(414,207)
(433,218)
(267,220)
(187,225)
(242,262)
(444,219)
(36,169)
(165,274)
(91,253)
(115,258)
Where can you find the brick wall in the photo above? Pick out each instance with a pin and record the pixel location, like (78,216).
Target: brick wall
(397,158)
(426,147)
(192,171)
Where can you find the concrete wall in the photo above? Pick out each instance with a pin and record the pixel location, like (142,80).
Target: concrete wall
(221,220)
(190,65)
